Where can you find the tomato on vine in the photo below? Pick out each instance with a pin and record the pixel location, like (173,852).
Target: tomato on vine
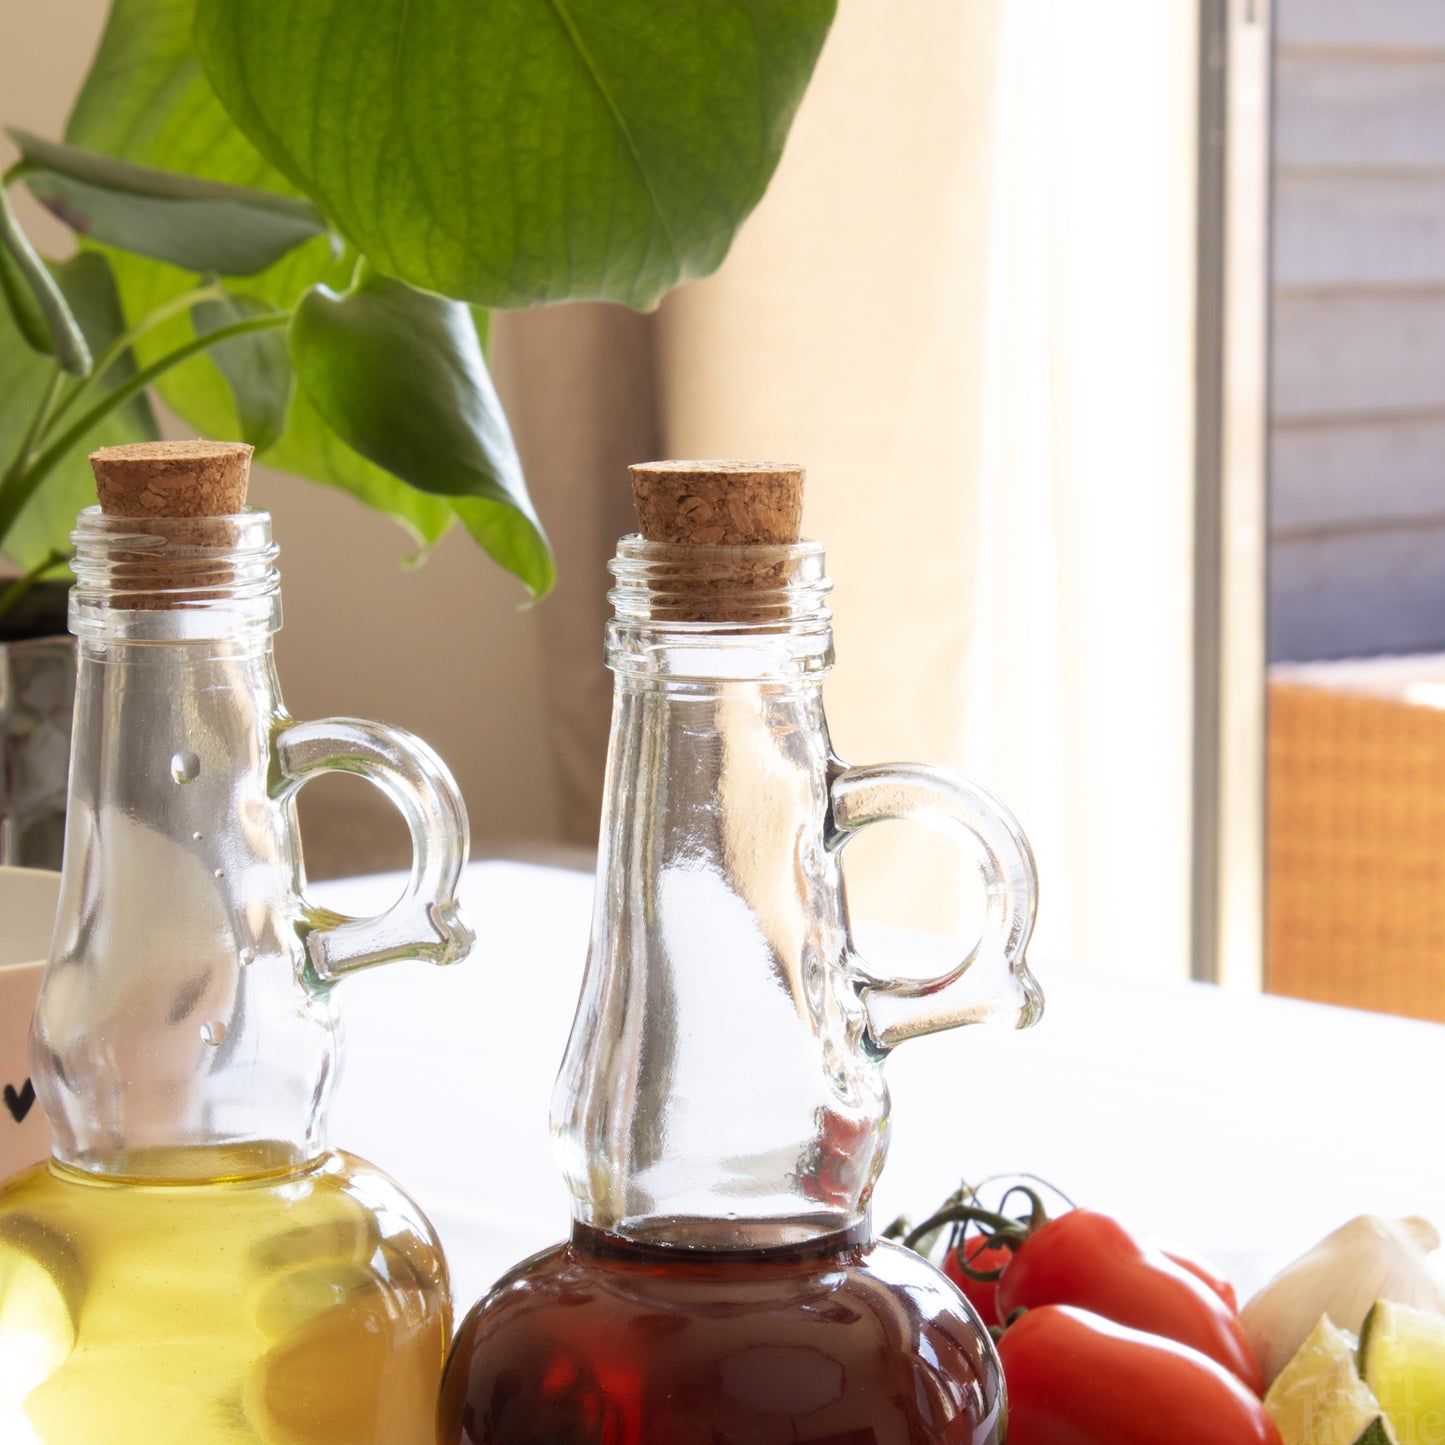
(974,1263)
(1076,1378)
(1087,1259)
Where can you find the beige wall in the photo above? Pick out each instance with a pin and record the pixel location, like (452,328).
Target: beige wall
(967,304)
(44,52)
(444,649)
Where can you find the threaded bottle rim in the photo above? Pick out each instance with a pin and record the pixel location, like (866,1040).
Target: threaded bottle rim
(173,578)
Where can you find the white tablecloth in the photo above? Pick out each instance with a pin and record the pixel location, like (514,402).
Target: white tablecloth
(1243,1127)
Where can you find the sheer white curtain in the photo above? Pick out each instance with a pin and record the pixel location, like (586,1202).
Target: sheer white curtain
(967,306)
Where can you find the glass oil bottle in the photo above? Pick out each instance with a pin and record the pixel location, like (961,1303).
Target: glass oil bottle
(721,1113)
(195,1263)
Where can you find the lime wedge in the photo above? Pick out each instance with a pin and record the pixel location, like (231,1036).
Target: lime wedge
(1402,1357)
(1319,1397)
(1377,1434)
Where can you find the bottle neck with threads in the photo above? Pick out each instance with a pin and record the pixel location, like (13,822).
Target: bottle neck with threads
(170,1019)
(718,1090)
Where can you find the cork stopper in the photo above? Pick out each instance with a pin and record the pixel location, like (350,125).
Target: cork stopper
(172,479)
(179,491)
(736,515)
(719,503)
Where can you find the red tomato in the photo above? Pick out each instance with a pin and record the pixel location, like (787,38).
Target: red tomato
(1075,1378)
(981,1254)
(1090,1260)
(1202,1269)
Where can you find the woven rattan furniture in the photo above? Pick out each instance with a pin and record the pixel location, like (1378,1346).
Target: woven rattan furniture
(1355,881)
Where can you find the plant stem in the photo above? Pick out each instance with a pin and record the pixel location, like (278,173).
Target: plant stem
(127,339)
(18,488)
(21,585)
(37,424)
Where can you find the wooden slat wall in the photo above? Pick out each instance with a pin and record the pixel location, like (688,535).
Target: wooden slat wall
(1362,24)
(1357,535)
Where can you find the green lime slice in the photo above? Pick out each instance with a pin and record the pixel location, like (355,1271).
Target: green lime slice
(1377,1434)
(1319,1397)
(1402,1357)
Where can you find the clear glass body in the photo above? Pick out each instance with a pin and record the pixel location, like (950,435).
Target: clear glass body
(721,1113)
(195,1263)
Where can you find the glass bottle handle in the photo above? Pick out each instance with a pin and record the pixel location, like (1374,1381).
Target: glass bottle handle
(992,982)
(426,921)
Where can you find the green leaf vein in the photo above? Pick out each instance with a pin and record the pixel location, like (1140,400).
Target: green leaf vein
(565,17)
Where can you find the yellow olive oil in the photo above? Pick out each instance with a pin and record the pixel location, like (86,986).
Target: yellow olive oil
(216,1305)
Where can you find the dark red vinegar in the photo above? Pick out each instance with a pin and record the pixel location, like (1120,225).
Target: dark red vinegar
(844,1341)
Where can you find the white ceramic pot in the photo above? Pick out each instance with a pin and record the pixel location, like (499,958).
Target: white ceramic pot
(27,916)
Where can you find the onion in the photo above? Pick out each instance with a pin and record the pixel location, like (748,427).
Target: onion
(1366,1260)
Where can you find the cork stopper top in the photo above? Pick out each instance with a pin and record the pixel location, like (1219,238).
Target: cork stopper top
(719,503)
(172,479)
(723,539)
(187,494)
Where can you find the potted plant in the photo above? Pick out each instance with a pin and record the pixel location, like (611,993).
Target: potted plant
(297,219)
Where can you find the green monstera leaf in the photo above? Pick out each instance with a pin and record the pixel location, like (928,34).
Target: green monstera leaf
(34,300)
(172,217)
(44,522)
(521,151)
(507,153)
(146,101)
(256,367)
(400,375)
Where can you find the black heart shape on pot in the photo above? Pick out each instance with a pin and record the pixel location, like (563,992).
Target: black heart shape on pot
(20,1103)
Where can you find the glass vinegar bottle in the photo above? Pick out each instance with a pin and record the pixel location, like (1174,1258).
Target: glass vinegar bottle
(721,1112)
(195,1263)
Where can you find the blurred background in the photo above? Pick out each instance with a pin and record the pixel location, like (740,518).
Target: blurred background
(1113,340)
